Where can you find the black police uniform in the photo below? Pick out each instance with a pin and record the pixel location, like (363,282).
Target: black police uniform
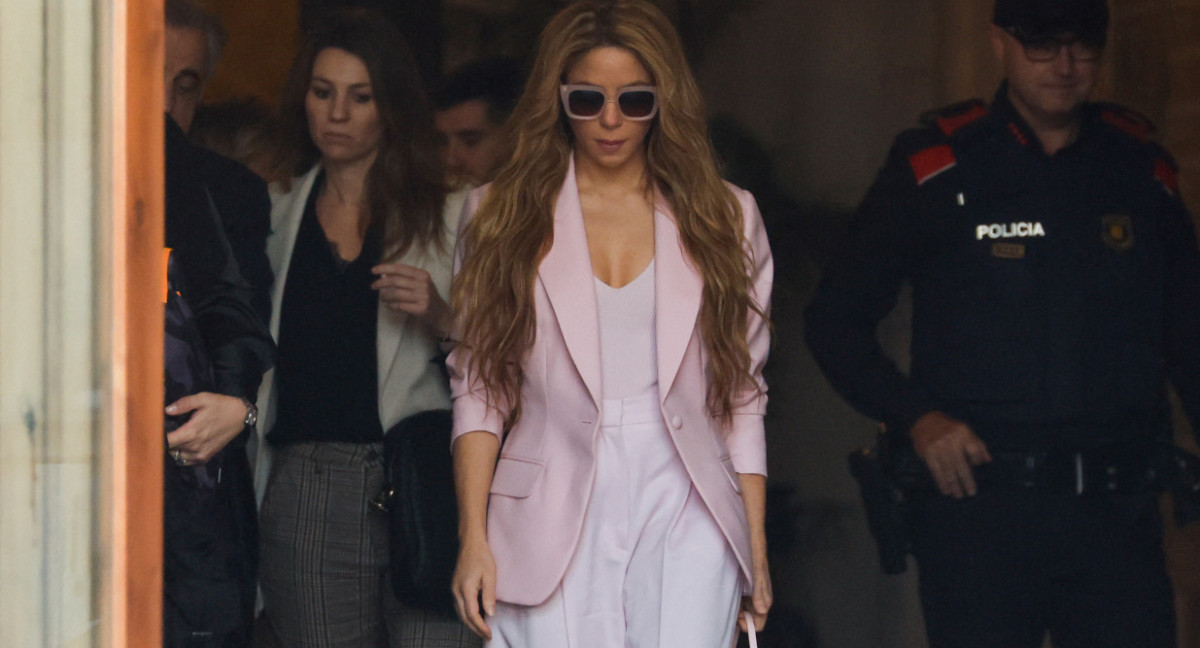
(1052,298)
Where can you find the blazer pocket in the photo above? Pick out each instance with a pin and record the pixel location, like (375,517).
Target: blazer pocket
(727,463)
(516,477)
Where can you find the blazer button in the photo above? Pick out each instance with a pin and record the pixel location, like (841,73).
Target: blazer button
(677,422)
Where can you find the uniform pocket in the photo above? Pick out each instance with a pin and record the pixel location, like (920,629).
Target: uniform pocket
(516,477)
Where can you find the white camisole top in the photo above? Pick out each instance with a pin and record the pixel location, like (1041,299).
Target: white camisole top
(628,352)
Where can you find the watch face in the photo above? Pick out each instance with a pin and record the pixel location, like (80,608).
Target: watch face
(251,414)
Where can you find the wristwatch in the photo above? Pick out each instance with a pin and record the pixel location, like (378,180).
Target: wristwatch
(251,413)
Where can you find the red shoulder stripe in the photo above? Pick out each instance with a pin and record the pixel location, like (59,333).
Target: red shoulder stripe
(929,162)
(1124,123)
(1016,131)
(950,124)
(1165,173)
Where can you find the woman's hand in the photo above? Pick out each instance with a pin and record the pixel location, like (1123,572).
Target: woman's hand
(474,586)
(758,604)
(216,420)
(474,582)
(407,289)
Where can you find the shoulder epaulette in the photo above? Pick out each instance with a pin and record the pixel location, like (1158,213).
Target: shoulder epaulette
(953,117)
(931,161)
(1130,122)
(1139,127)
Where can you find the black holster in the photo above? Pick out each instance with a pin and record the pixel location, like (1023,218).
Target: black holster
(888,474)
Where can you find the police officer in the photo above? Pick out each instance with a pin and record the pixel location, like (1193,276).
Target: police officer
(1056,288)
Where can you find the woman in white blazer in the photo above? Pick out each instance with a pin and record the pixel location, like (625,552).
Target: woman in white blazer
(361,249)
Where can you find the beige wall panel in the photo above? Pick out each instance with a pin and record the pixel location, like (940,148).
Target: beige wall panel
(69,459)
(22,399)
(48,327)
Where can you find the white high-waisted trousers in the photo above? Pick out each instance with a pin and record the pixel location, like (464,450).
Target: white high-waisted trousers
(651,570)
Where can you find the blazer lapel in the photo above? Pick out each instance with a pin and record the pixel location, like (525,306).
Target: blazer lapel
(566,274)
(677,293)
(389,325)
(285,224)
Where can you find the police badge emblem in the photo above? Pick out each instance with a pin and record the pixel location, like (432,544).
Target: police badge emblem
(1117,231)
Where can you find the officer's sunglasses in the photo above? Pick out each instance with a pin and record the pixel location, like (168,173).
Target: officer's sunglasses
(1048,48)
(636,103)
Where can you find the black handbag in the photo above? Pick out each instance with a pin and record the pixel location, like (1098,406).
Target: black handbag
(422,511)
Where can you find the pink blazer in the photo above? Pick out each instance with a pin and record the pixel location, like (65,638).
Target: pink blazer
(546,467)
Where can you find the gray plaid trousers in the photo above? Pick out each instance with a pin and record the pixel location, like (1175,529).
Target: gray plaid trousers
(324,569)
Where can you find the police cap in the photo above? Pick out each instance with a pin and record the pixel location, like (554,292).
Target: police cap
(1030,20)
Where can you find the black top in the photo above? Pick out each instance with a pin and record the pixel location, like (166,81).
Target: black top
(1052,295)
(326,375)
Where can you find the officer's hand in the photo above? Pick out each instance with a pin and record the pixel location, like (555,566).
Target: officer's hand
(949,448)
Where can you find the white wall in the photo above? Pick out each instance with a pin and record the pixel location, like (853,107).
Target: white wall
(50,550)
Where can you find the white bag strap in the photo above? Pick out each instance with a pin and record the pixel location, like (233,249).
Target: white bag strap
(750,629)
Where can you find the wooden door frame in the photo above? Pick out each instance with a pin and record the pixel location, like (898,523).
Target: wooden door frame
(137,326)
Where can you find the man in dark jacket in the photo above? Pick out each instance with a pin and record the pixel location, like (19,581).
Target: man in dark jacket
(216,351)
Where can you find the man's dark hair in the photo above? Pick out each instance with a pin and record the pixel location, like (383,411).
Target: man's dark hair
(186,14)
(495,81)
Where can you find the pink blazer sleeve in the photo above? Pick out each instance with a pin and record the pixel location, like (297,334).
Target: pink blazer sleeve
(747,439)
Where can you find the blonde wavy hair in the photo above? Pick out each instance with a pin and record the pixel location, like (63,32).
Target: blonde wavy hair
(514,226)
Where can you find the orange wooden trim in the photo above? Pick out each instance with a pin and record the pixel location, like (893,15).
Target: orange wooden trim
(138,191)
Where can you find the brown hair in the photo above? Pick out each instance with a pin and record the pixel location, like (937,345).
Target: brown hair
(514,226)
(405,186)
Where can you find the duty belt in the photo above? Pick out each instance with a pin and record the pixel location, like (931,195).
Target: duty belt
(1112,469)
(890,479)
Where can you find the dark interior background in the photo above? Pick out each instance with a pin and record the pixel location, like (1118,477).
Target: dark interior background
(804,97)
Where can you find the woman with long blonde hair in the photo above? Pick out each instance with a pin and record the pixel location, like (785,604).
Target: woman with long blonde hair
(608,395)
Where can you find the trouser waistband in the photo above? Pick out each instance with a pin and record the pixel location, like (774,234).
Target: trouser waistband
(643,408)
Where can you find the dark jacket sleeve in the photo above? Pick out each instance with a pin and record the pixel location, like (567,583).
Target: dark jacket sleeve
(244,205)
(1181,317)
(859,288)
(238,343)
